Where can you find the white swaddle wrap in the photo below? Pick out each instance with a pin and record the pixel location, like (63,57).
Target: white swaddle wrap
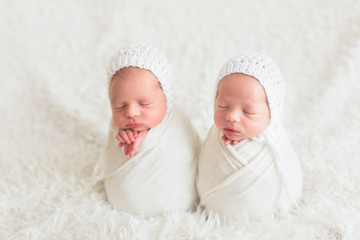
(260,176)
(242,180)
(160,177)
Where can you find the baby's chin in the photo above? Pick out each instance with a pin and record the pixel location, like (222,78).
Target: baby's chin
(136,128)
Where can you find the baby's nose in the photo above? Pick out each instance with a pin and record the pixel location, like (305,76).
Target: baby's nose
(132,111)
(233,116)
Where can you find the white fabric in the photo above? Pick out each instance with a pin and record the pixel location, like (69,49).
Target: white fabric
(243,180)
(160,177)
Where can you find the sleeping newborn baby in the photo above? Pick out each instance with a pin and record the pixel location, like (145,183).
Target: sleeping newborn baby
(149,164)
(247,167)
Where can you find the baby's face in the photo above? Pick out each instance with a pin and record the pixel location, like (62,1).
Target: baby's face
(137,100)
(241,109)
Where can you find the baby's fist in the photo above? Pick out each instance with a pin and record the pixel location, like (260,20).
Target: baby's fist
(126,136)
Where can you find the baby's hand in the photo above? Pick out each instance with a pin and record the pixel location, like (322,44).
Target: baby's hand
(130,140)
(125,136)
(130,149)
(229,141)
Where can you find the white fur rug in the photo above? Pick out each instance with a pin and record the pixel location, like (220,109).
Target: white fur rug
(55,113)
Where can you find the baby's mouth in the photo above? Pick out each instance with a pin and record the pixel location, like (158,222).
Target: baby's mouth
(134,125)
(231,131)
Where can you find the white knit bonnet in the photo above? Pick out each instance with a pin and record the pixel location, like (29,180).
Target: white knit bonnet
(264,69)
(148,58)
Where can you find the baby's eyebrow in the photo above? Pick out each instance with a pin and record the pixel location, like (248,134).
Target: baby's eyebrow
(116,104)
(147,96)
(252,106)
(145,99)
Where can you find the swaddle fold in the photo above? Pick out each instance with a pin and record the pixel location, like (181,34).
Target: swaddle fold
(248,180)
(160,177)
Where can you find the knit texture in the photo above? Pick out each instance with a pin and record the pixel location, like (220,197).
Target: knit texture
(264,69)
(145,57)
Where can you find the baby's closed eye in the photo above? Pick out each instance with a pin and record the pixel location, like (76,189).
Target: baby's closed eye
(145,104)
(250,113)
(119,108)
(222,106)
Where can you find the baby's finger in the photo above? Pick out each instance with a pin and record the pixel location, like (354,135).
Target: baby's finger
(131,150)
(135,134)
(119,138)
(120,145)
(125,137)
(135,146)
(223,138)
(226,140)
(126,149)
(130,135)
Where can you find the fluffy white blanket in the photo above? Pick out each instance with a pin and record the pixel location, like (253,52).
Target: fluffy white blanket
(251,180)
(160,177)
(55,113)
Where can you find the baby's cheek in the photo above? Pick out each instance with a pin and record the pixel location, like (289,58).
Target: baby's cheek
(219,119)
(117,121)
(154,118)
(255,129)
